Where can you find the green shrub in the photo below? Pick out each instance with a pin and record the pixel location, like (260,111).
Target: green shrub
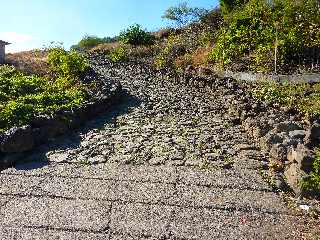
(168,54)
(312,182)
(182,14)
(205,38)
(135,35)
(7,71)
(22,97)
(284,93)
(255,29)
(67,64)
(119,54)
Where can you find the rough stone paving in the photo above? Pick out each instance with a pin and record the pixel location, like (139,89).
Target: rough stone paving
(164,164)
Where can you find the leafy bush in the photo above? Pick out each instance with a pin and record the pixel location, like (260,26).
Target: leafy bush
(287,94)
(22,97)
(67,64)
(88,42)
(312,182)
(266,31)
(119,54)
(135,35)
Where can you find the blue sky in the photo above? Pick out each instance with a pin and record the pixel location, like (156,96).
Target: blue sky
(31,24)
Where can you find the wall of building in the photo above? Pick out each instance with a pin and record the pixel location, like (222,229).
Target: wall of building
(2,54)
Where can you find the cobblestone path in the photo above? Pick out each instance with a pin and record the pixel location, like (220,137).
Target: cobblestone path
(164,164)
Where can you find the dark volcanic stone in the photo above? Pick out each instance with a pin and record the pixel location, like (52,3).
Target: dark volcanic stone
(17,139)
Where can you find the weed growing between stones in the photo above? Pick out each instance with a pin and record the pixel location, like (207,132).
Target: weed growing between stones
(228,161)
(206,165)
(267,177)
(85,162)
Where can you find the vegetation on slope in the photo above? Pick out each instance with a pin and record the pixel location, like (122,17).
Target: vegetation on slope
(312,182)
(22,96)
(88,42)
(302,97)
(266,35)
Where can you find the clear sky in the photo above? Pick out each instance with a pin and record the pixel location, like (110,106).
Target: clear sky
(31,24)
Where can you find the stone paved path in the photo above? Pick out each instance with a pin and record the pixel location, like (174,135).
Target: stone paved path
(165,164)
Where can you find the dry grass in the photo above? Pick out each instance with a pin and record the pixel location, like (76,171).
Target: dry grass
(105,48)
(200,56)
(30,62)
(141,51)
(196,59)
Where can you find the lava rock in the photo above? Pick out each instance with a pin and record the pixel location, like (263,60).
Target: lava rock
(270,139)
(287,127)
(17,139)
(297,134)
(280,183)
(300,162)
(278,152)
(302,156)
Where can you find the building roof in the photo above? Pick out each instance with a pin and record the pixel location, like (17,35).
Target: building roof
(4,43)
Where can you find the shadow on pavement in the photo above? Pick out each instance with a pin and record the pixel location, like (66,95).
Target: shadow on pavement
(37,158)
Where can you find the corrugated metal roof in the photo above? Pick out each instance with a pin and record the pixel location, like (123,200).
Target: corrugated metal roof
(4,43)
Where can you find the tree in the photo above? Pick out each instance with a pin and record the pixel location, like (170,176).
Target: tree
(228,6)
(182,14)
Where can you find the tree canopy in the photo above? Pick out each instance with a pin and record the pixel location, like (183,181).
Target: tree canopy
(182,14)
